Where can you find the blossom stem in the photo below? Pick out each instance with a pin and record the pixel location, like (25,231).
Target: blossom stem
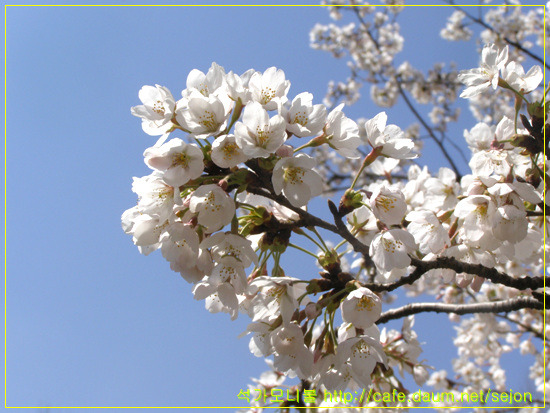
(317,141)
(302,249)
(370,158)
(236,114)
(304,146)
(340,244)
(314,241)
(314,230)
(199,143)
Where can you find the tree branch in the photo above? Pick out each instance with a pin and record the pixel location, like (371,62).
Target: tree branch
(504,306)
(408,279)
(357,245)
(491,274)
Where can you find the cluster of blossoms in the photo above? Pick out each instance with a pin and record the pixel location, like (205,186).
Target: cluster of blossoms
(223,203)
(226,200)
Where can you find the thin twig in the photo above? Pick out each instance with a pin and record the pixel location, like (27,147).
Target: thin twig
(504,306)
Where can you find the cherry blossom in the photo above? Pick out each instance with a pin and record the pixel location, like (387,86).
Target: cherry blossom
(226,153)
(479,79)
(269,88)
(390,249)
(303,118)
(388,205)
(214,208)
(361,308)
(157,109)
(180,161)
(204,116)
(296,179)
(258,135)
(389,138)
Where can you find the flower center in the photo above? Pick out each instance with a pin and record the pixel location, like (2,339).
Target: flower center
(300,118)
(385,203)
(229,151)
(158,108)
(365,303)
(266,95)
(180,159)
(294,175)
(263,136)
(207,120)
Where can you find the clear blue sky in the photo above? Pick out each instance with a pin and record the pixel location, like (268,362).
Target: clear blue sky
(91,322)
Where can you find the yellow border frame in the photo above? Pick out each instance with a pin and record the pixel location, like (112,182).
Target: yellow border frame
(242,5)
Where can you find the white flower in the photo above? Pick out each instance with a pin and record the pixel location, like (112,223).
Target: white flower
(485,163)
(180,161)
(218,297)
(361,308)
(296,179)
(363,223)
(427,231)
(523,82)
(442,192)
(227,279)
(258,135)
(205,84)
(291,352)
(388,205)
(362,353)
(487,75)
(342,133)
(204,115)
(145,229)
(232,245)
(479,137)
(157,109)
(390,138)
(226,153)
(202,268)
(180,245)
(514,193)
(390,249)
(237,86)
(156,198)
(478,212)
(260,342)
(214,207)
(269,88)
(303,118)
(277,296)
(510,224)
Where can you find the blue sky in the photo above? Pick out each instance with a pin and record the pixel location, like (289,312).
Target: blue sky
(91,322)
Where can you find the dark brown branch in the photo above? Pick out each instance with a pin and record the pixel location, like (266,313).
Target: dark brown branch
(504,306)
(306,218)
(408,279)
(357,245)
(491,274)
